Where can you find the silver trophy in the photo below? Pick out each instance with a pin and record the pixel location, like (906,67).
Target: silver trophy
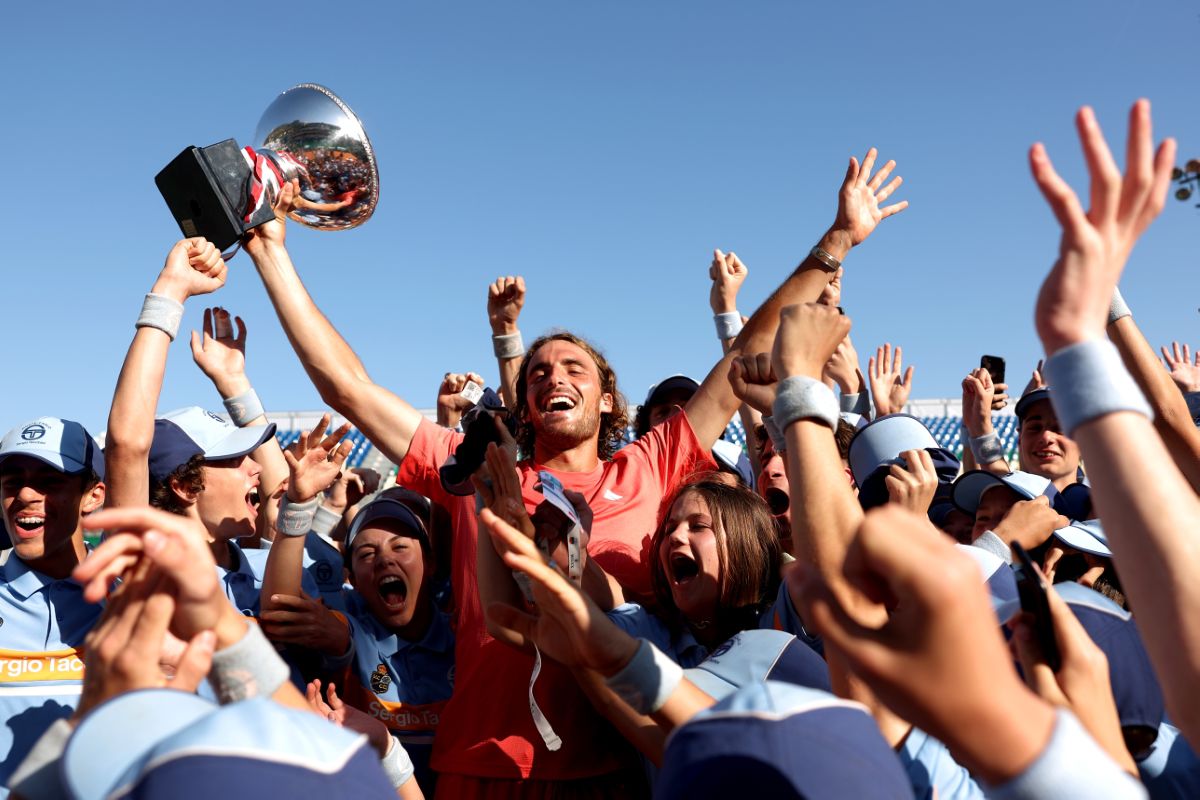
(307,134)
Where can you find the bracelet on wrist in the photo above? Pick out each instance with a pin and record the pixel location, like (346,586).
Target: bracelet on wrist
(826,258)
(161,312)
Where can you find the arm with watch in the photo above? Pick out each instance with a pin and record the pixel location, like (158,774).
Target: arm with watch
(859,212)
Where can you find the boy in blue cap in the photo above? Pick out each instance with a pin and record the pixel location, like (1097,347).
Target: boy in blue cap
(51,476)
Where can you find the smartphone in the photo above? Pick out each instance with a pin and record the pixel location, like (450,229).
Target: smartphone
(995,367)
(1034,601)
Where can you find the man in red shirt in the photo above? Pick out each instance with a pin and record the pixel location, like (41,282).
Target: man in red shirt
(571,416)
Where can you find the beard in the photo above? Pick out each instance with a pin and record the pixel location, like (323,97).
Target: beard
(564,435)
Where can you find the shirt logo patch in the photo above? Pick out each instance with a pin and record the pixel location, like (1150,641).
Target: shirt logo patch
(31,433)
(380,680)
(609,494)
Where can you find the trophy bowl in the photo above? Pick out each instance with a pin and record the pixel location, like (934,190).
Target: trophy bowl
(314,137)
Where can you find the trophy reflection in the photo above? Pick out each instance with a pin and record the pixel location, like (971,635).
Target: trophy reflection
(307,134)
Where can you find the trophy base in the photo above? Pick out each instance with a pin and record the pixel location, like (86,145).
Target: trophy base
(205,189)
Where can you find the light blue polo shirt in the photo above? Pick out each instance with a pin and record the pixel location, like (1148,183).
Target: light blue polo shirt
(43,623)
(403,684)
(243,583)
(639,623)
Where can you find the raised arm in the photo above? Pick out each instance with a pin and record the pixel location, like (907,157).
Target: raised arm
(221,356)
(506,298)
(727,276)
(859,212)
(314,463)
(193,267)
(1148,507)
(1172,419)
(334,368)
(982,446)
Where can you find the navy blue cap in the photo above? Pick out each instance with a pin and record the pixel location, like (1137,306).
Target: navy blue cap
(182,434)
(758,655)
(779,740)
(1029,399)
(1134,684)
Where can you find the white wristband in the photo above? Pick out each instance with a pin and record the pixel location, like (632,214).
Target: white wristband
(729,324)
(295,519)
(244,408)
(986,448)
(324,521)
(248,668)
(647,680)
(508,345)
(397,764)
(801,397)
(1088,380)
(778,440)
(1118,307)
(161,312)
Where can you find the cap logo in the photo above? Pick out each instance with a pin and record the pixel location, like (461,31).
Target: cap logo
(215,416)
(31,433)
(380,680)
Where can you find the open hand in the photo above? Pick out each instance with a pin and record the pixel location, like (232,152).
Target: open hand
(315,460)
(1073,303)
(888,388)
(1185,370)
(220,354)
(859,210)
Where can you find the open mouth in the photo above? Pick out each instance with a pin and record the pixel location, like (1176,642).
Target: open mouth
(558,402)
(29,525)
(1045,455)
(393,591)
(777,500)
(683,568)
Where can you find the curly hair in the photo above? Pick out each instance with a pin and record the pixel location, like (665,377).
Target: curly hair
(613,424)
(188,476)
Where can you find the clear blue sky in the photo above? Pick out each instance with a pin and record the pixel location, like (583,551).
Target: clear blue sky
(600,149)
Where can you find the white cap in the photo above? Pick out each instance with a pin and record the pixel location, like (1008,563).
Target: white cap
(61,443)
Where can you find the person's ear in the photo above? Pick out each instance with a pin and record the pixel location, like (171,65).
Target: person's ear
(187,496)
(93,498)
(606,403)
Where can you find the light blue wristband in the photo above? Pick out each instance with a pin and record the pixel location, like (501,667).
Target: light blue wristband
(1089,380)
(647,680)
(244,408)
(801,397)
(986,448)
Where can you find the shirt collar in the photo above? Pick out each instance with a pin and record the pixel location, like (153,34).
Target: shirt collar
(22,579)
(437,638)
